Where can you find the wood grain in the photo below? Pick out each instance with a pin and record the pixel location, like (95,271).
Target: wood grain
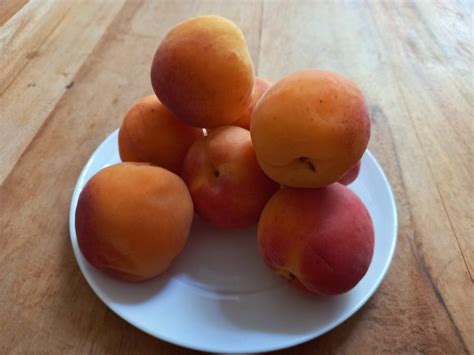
(32,95)
(413,60)
(8,8)
(24,32)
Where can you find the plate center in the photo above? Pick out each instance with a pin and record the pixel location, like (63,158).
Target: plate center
(223,261)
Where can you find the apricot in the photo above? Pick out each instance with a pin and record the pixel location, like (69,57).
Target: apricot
(318,239)
(228,187)
(259,88)
(202,71)
(351,175)
(150,133)
(132,220)
(310,128)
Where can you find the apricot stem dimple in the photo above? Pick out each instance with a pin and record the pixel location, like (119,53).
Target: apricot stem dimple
(216,173)
(287,275)
(308,163)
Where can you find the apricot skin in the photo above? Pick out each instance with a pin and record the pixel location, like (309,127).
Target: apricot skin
(202,71)
(132,220)
(310,128)
(150,133)
(351,175)
(227,185)
(260,87)
(319,239)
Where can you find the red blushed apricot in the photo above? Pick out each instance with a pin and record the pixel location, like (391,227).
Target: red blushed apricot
(202,71)
(322,239)
(351,175)
(310,128)
(227,186)
(132,220)
(259,88)
(150,133)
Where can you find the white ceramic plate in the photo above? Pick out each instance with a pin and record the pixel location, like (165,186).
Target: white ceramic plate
(220,297)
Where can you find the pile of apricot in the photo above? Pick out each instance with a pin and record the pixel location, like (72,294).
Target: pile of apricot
(237,150)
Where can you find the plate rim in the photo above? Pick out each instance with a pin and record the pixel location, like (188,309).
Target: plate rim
(300,340)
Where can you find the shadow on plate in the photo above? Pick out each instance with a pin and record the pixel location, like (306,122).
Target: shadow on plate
(222,261)
(122,292)
(284,310)
(227,266)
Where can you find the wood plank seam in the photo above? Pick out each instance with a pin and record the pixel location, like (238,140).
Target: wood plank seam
(30,58)
(10,9)
(414,249)
(439,296)
(37,134)
(419,258)
(434,180)
(51,115)
(423,150)
(42,111)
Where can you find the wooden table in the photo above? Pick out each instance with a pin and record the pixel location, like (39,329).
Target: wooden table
(69,70)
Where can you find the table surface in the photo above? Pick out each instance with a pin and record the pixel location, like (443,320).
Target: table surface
(70,69)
